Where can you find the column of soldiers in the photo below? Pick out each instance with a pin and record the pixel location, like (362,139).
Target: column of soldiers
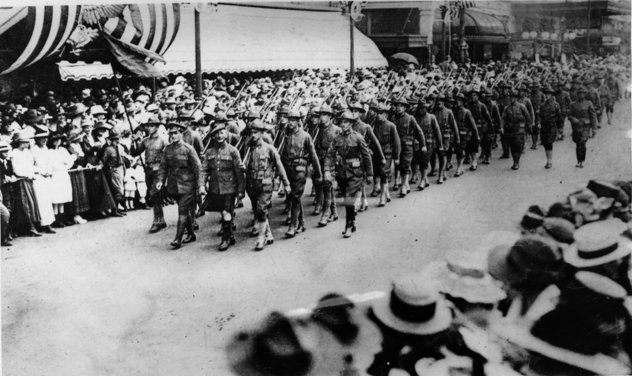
(352,145)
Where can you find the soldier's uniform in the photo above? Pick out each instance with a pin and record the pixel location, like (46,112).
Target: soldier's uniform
(583,118)
(606,100)
(297,153)
(324,191)
(153,147)
(595,98)
(180,167)
(434,141)
(484,125)
(468,132)
(349,158)
(526,101)
(450,135)
(536,99)
(262,165)
(386,134)
(494,112)
(516,121)
(564,100)
(551,119)
(408,131)
(222,168)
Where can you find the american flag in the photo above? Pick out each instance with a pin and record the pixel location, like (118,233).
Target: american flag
(451,11)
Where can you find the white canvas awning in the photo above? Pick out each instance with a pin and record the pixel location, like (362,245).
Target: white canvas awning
(236,38)
(84,71)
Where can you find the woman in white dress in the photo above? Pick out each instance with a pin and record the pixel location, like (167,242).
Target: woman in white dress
(61,188)
(24,165)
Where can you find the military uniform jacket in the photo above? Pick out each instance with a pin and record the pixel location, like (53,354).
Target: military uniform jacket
(551,115)
(582,116)
(349,155)
(387,136)
(465,122)
(324,140)
(481,116)
(113,156)
(263,164)
(297,151)
(515,119)
(222,166)
(537,99)
(430,128)
(604,95)
(564,100)
(494,112)
(192,137)
(529,106)
(408,130)
(594,97)
(447,123)
(369,137)
(153,147)
(180,166)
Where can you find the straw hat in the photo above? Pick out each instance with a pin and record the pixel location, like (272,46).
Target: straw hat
(598,243)
(414,307)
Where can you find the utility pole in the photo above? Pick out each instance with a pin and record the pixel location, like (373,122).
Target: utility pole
(351,49)
(588,31)
(198,56)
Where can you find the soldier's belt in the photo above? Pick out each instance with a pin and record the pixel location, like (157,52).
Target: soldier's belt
(354,162)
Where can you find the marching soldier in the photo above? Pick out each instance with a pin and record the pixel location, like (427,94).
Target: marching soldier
(153,146)
(408,130)
(434,140)
(222,167)
(180,167)
(606,100)
(494,112)
(484,122)
(450,136)
(551,119)
(515,121)
(387,136)
(262,165)
(349,156)
(536,100)
(564,100)
(526,101)
(297,152)
(366,131)
(583,118)
(468,133)
(325,200)
(595,98)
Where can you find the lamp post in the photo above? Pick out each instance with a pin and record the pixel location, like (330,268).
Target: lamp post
(353,9)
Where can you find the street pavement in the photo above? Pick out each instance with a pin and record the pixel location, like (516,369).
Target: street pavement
(107,298)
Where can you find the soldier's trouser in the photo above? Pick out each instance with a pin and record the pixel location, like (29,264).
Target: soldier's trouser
(261,196)
(580,151)
(516,146)
(154,196)
(186,203)
(535,131)
(297,184)
(486,144)
(327,192)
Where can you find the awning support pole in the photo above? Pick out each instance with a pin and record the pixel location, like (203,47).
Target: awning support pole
(198,56)
(351,62)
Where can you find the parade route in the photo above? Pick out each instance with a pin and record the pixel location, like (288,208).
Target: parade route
(107,298)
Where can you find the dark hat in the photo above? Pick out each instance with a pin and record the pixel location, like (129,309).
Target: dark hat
(559,229)
(400,100)
(42,133)
(176,125)
(325,109)
(76,109)
(258,125)
(75,135)
(293,114)
(153,120)
(102,125)
(217,128)
(31,116)
(4,146)
(604,189)
(356,106)
(460,96)
(333,313)
(114,135)
(532,259)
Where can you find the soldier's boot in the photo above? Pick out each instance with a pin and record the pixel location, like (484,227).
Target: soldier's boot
(190,230)
(261,237)
(326,211)
(286,208)
(459,168)
(227,235)
(177,242)
(382,201)
(442,176)
(288,212)
(269,239)
(291,231)
(516,160)
(397,184)
(365,203)
(333,215)
(318,209)
(376,188)
(505,146)
(549,158)
(474,162)
(405,189)
(350,221)
(301,220)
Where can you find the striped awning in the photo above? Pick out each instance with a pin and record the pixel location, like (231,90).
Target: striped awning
(479,23)
(29,34)
(84,71)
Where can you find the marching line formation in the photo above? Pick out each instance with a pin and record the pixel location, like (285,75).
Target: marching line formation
(105,151)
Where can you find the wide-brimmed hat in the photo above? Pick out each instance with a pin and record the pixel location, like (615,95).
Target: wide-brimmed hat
(22,136)
(531,256)
(598,243)
(76,109)
(31,116)
(253,114)
(153,120)
(414,306)
(459,96)
(293,114)
(258,125)
(325,109)
(221,117)
(347,115)
(218,127)
(180,126)
(75,135)
(383,107)
(357,106)
(560,229)
(464,275)
(114,135)
(400,101)
(607,189)
(97,110)
(4,146)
